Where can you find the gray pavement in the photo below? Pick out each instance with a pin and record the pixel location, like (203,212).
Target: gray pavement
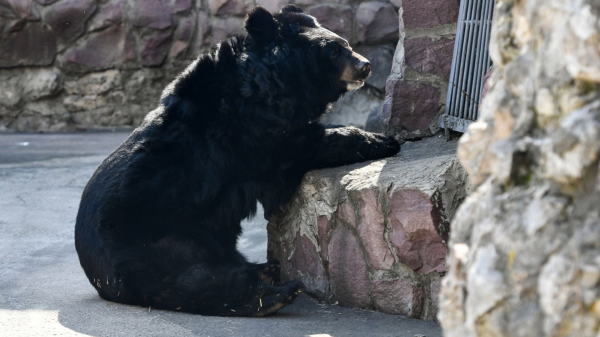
(44,292)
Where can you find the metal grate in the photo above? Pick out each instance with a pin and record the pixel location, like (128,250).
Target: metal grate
(470,62)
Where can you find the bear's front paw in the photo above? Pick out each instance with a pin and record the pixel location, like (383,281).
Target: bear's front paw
(386,146)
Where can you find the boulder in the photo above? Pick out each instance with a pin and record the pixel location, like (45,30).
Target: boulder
(183,36)
(223,28)
(34,45)
(372,235)
(202,32)
(376,22)
(374,123)
(19,10)
(336,18)
(104,49)
(396,3)
(156,48)
(83,103)
(40,83)
(10,91)
(354,108)
(45,108)
(68,17)
(28,85)
(399,297)
(380,57)
(94,117)
(230,7)
(108,14)
(182,6)
(94,83)
(31,123)
(151,13)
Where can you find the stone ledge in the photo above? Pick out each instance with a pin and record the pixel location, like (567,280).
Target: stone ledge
(372,235)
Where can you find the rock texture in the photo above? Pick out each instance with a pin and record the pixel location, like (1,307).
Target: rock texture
(417,86)
(525,245)
(372,235)
(149,41)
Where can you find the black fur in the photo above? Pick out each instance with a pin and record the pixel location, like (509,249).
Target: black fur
(159,219)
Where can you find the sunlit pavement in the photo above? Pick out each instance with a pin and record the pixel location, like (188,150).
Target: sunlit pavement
(43,291)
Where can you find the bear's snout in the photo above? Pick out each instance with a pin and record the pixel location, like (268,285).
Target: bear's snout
(364,67)
(356,72)
(360,67)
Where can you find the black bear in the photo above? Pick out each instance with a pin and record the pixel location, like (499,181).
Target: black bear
(159,220)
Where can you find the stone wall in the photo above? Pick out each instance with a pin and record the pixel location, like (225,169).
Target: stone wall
(373,235)
(81,64)
(525,245)
(416,89)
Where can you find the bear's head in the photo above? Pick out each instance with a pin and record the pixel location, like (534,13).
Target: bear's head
(305,54)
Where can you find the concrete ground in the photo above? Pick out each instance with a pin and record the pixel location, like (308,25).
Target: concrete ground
(44,292)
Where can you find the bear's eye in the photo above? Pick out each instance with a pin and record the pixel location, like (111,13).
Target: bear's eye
(335,52)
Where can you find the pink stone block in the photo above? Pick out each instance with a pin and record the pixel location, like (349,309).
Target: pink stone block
(67,18)
(429,13)
(413,106)
(305,264)
(425,55)
(398,296)
(348,269)
(156,48)
(324,228)
(19,9)
(415,237)
(371,228)
(223,28)
(35,44)
(151,13)
(106,48)
(182,5)
(109,14)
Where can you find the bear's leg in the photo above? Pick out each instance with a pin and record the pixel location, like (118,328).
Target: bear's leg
(181,276)
(349,145)
(227,291)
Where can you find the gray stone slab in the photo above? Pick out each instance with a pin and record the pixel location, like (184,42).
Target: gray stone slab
(44,292)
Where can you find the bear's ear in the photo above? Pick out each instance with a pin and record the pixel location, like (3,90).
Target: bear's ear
(291,9)
(261,25)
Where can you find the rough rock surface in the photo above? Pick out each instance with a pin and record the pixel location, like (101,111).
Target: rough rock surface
(372,235)
(381,57)
(376,22)
(33,44)
(337,18)
(67,18)
(525,245)
(78,38)
(354,108)
(417,86)
(411,107)
(429,13)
